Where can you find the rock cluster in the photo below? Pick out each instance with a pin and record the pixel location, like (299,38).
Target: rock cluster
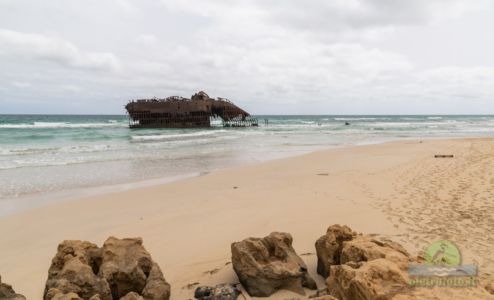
(356,267)
(360,266)
(219,292)
(121,269)
(8,293)
(265,265)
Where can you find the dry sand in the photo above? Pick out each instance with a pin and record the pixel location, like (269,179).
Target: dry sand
(397,190)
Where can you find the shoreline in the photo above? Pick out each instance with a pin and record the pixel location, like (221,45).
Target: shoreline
(26,202)
(188,225)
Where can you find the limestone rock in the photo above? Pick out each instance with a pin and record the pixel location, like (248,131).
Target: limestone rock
(121,268)
(8,293)
(69,296)
(265,265)
(132,296)
(219,292)
(328,247)
(128,267)
(73,270)
(361,266)
(325,297)
(365,248)
(375,279)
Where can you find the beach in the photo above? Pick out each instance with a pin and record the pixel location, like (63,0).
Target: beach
(397,190)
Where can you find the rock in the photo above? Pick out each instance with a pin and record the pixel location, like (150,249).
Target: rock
(74,270)
(70,296)
(325,297)
(219,292)
(376,279)
(132,296)
(328,247)
(8,293)
(120,269)
(128,267)
(322,295)
(361,266)
(203,292)
(365,248)
(265,265)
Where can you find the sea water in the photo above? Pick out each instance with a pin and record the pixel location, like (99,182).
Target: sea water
(40,154)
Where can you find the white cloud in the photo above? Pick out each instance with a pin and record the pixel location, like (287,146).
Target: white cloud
(40,47)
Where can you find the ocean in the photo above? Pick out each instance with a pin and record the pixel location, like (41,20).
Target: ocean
(43,154)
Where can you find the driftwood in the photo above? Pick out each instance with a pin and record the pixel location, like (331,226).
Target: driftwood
(443,156)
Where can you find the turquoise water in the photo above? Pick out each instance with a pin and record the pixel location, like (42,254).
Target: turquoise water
(44,153)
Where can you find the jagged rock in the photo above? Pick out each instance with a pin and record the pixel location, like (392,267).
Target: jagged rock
(128,267)
(361,266)
(8,293)
(81,270)
(219,292)
(322,295)
(265,265)
(70,296)
(325,297)
(328,247)
(366,248)
(73,270)
(132,296)
(375,279)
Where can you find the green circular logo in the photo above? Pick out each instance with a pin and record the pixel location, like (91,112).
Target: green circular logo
(443,253)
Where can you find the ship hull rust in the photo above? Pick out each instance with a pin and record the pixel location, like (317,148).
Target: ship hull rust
(178,112)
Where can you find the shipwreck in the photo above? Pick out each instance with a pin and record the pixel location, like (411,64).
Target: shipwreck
(179,112)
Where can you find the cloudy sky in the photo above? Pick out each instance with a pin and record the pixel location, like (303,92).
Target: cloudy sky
(284,57)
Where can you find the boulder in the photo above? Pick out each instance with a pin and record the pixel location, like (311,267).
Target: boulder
(122,268)
(132,296)
(375,279)
(8,293)
(128,267)
(74,270)
(361,266)
(265,265)
(324,297)
(366,248)
(219,292)
(328,247)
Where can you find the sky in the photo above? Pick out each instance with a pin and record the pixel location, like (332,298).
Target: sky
(269,57)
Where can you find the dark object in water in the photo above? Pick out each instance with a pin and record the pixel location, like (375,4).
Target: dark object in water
(444,156)
(347,123)
(178,112)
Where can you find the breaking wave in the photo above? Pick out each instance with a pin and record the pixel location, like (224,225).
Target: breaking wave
(48,125)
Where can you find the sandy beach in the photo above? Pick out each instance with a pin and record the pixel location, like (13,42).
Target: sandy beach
(396,190)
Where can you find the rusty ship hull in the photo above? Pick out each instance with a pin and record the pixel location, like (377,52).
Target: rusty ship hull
(178,112)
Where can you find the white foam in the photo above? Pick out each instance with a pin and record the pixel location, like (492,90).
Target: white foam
(175,136)
(36,125)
